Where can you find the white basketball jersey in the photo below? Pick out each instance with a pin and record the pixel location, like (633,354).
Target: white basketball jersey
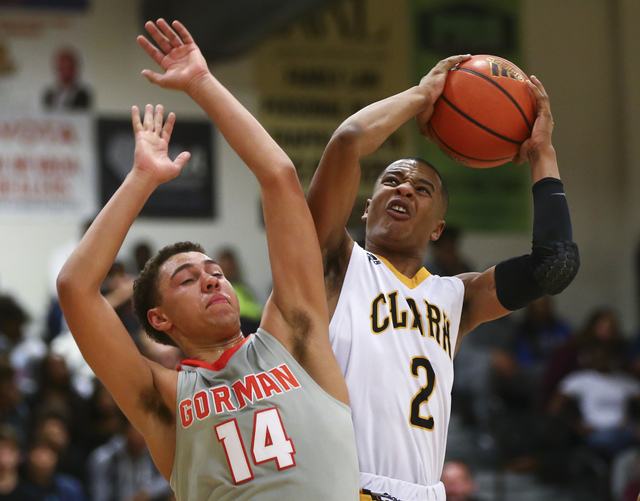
(394,338)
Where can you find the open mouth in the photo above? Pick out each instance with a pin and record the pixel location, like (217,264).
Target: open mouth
(398,209)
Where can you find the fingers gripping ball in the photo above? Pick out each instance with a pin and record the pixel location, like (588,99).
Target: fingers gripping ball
(485,112)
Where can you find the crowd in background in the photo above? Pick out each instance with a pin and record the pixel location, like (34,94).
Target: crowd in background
(62,436)
(559,401)
(544,397)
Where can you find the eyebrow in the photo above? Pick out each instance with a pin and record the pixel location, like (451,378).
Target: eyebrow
(189,265)
(428,183)
(400,173)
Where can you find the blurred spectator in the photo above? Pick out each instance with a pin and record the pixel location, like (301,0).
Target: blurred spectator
(55,320)
(122,469)
(250,307)
(446,260)
(602,392)
(601,328)
(68,93)
(510,403)
(458,481)
(56,393)
(44,481)
(633,352)
(13,409)
(53,429)
(142,252)
(118,291)
(104,417)
(539,334)
(12,487)
(632,491)
(82,377)
(472,396)
(496,395)
(12,320)
(625,475)
(23,349)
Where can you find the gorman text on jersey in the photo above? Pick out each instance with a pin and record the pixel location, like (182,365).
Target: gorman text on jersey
(232,398)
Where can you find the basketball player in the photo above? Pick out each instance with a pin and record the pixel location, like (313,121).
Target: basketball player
(395,328)
(264,417)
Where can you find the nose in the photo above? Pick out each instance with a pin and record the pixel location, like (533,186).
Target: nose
(210,282)
(405,190)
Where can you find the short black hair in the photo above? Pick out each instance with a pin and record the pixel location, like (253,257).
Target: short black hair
(443,190)
(145,288)
(10,309)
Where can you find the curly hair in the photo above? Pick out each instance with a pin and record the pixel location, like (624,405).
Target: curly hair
(145,288)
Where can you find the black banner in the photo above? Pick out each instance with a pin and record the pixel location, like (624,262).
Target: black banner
(190,195)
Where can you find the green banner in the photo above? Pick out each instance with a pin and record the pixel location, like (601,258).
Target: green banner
(496,199)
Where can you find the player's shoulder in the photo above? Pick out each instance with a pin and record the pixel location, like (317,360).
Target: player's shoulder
(467,277)
(451,280)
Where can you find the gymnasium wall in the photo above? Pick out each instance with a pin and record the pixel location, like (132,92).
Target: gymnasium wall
(586,52)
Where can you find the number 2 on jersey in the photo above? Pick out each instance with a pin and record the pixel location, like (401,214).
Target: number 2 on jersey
(424,394)
(270,443)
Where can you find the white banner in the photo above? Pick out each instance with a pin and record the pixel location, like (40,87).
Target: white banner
(47,164)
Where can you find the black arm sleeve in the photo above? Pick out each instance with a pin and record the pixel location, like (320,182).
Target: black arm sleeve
(554,259)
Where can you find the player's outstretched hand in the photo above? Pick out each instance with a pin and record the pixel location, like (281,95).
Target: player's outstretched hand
(176,53)
(152,145)
(540,138)
(433,85)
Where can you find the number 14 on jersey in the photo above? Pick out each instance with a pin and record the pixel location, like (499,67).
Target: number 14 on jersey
(268,443)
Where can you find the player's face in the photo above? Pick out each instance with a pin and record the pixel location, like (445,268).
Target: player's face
(197,299)
(407,207)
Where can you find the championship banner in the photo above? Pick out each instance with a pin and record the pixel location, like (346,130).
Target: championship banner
(318,72)
(47,164)
(494,199)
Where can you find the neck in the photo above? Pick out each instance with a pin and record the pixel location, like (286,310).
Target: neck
(214,351)
(407,263)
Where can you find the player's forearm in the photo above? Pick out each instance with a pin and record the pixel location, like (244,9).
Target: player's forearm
(377,121)
(544,163)
(90,262)
(554,260)
(241,130)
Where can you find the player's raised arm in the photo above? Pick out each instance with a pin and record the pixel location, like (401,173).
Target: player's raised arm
(185,69)
(296,312)
(102,338)
(335,183)
(554,260)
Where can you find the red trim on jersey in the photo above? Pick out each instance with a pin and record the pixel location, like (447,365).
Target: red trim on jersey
(218,364)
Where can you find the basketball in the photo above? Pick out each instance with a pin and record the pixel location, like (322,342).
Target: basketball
(485,112)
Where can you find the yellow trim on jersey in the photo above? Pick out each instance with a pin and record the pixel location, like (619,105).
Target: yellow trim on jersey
(412,283)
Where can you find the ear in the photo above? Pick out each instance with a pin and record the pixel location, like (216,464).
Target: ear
(366,210)
(435,234)
(158,319)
